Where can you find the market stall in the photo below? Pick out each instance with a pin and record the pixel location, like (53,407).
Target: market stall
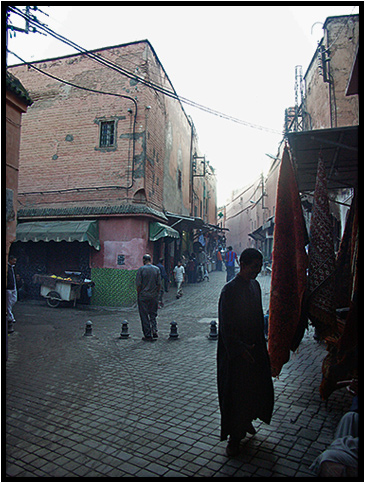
(56,289)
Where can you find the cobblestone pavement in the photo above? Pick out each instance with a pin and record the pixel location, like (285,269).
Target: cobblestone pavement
(102,406)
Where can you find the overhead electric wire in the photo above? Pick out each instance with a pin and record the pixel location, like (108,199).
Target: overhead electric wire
(31,64)
(97,92)
(133,76)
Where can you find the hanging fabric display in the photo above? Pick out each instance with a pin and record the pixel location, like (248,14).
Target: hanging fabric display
(341,362)
(288,279)
(349,338)
(321,270)
(343,277)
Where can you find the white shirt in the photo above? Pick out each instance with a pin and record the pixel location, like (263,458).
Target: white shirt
(179,273)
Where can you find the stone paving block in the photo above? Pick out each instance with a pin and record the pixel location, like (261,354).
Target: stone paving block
(51,468)
(157,469)
(185,440)
(295,455)
(188,456)
(203,446)
(39,473)
(227,469)
(205,473)
(246,471)
(284,471)
(288,443)
(175,452)
(182,447)
(137,461)
(61,461)
(70,465)
(104,468)
(155,454)
(81,448)
(143,473)
(281,450)
(28,458)
(172,474)
(200,461)
(115,473)
(39,463)
(304,470)
(214,465)
(14,470)
(262,463)
(263,473)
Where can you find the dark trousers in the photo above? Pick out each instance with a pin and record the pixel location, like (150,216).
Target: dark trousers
(230,273)
(148,312)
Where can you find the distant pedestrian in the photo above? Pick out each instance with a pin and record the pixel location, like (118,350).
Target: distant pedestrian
(191,268)
(21,288)
(230,260)
(194,274)
(179,274)
(148,283)
(164,279)
(11,291)
(202,257)
(245,387)
(219,260)
(202,271)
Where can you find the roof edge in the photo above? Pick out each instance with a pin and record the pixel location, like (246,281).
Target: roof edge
(16,87)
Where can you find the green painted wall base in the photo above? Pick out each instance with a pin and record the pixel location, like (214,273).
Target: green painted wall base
(113,287)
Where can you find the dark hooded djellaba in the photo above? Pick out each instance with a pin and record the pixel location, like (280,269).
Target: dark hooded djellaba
(245,386)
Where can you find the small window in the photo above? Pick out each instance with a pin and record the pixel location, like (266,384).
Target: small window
(107,134)
(179,179)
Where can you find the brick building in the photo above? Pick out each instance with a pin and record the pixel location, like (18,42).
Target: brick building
(103,144)
(330,119)
(17,103)
(326,104)
(325,122)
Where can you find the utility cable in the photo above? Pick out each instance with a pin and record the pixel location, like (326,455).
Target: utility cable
(135,77)
(97,92)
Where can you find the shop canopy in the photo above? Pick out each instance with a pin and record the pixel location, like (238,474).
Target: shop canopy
(258,235)
(338,148)
(159,230)
(69,231)
(184,222)
(266,230)
(188,223)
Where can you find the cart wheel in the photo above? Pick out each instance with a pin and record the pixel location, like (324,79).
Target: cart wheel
(52,299)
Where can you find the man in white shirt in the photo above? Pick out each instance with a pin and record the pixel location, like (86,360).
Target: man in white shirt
(179,274)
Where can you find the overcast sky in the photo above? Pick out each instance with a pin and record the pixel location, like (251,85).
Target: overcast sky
(238,60)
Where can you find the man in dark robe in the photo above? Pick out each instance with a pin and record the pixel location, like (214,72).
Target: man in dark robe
(245,387)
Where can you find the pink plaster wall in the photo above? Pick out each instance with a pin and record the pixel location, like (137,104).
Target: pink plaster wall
(121,236)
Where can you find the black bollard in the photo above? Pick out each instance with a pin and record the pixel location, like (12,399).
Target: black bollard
(124,333)
(88,328)
(173,330)
(213,334)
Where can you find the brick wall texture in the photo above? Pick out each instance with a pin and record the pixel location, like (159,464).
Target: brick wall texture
(60,140)
(322,111)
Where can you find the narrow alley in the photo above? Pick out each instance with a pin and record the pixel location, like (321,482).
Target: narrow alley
(103,406)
